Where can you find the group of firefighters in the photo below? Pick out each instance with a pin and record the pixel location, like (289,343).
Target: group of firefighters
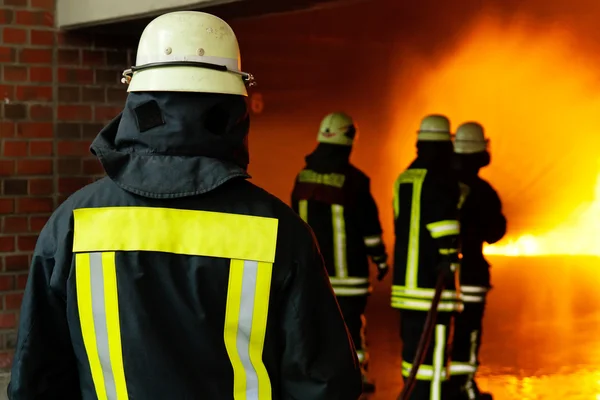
(176,278)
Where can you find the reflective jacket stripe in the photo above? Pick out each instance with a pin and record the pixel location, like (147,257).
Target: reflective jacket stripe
(438,362)
(245,327)
(351,286)
(422,293)
(339,241)
(303,210)
(424,305)
(249,241)
(351,281)
(98,304)
(443,228)
(425,372)
(373,241)
(350,291)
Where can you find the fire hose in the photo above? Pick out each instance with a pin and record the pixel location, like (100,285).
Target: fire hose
(425,339)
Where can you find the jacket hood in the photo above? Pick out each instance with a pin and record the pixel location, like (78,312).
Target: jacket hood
(329,158)
(169,145)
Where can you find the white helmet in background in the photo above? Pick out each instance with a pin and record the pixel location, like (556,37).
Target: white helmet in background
(188,51)
(470,139)
(337,128)
(434,128)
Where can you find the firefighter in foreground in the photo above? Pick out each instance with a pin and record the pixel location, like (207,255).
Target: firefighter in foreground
(481,221)
(334,198)
(174,277)
(426,201)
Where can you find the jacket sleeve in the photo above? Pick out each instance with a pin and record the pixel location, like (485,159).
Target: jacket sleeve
(44,365)
(319,360)
(494,221)
(441,200)
(370,226)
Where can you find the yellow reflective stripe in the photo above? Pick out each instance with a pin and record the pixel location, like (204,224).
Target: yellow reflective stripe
(403,291)
(349,291)
(426,372)
(443,228)
(197,233)
(339,240)
(245,327)
(113,325)
(332,179)
(446,252)
(86,319)
(438,362)
(303,210)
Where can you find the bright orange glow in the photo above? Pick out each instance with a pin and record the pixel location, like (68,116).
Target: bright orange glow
(538,98)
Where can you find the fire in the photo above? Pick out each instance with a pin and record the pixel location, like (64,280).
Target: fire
(537,96)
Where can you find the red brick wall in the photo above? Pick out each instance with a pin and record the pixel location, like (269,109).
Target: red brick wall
(56,92)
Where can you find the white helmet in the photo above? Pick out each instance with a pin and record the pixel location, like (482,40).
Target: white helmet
(188,51)
(470,139)
(337,128)
(434,128)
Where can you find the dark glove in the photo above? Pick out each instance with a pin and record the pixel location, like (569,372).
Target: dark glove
(382,271)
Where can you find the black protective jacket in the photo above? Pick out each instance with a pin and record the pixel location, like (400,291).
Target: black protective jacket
(482,221)
(176,278)
(334,198)
(426,201)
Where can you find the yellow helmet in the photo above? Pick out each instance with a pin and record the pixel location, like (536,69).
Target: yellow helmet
(470,139)
(434,128)
(188,51)
(337,128)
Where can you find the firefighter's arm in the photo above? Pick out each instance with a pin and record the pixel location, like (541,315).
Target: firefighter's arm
(371,230)
(493,218)
(319,360)
(44,365)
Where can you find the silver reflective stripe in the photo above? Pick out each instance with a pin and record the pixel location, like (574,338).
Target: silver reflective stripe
(350,291)
(473,299)
(353,281)
(339,241)
(99,315)
(245,327)
(372,241)
(474,289)
(438,362)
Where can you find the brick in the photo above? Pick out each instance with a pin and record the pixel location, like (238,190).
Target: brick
(12,73)
(69,94)
(80,76)
(26,243)
(35,18)
(91,130)
(45,4)
(7,92)
(15,224)
(34,93)
(117,59)
(27,205)
(69,166)
(41,113)
(6,17)
(15,187)
(7,129)
(7,282)
(16,263)
(38,187)
(74,113)
(21,281)
(41,148)
(116,95)
(68,130)
(35,56)
(15,111)
(92,167)
(93,57)
(37,223)
(35,167)
(6,359)
(7,320)
(7,54)
(7,244)
(35,129)
(73,148)
(94,95)
(7,167)
(110,77)
(103,113)
(69,57)
(12,301)
(40,74)
(14,36)
(71,185)
(15,148)
(17,3)
(42,38)
(6,206)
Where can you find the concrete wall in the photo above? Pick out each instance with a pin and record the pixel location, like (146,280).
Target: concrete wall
(75,13)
